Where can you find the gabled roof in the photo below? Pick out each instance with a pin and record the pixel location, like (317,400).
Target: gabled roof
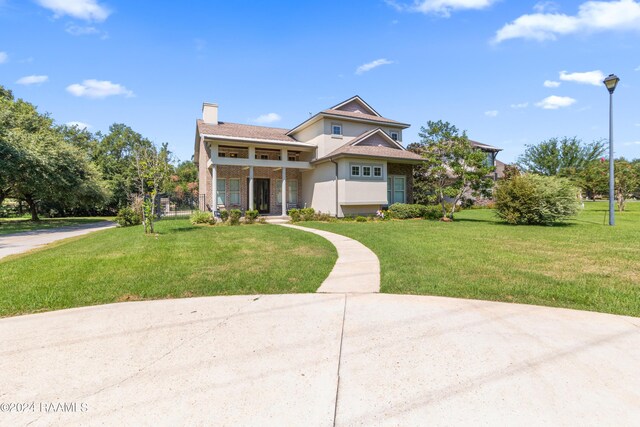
(338,112)
(356,148)
(353,103)
(484,147)
(244,131)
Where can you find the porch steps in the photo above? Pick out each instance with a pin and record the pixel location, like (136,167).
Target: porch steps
(277,219)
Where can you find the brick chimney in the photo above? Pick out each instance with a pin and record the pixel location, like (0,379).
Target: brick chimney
(210,113)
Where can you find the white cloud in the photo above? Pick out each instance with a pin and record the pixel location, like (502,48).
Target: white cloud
(32,80)
(631,143)
(637,68)
(88,10)
(550,83)
(98,89)
(592,16)
(554,102)
(3,57)
(491,113)
(519,106)
(588,77)
(371,65)
(546,6)
(79,125)
(76,30)
(440,7)
(267,118)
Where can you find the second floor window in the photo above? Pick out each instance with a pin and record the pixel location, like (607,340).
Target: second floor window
(336,130)
(394,136)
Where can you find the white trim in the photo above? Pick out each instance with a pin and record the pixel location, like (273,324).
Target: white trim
(237,161)
(270,141)
(362,176)
(375,202)
(364,137)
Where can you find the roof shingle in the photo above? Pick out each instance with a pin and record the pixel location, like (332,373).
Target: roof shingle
(363,116)
(245,131)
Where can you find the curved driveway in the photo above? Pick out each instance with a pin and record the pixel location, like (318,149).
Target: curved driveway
(316,359)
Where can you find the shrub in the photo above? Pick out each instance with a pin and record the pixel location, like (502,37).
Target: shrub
(262,220)
(251,216)
(406,211)
(535,199)
(308,214)
(224,215)
(127,217)
(325,217)
(200,217)
(432,212)
(361,219)
(234,216)
(295,215)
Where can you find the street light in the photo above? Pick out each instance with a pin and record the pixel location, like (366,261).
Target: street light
(611,82)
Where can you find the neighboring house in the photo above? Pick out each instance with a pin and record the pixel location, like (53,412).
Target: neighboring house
(492,153)
(345,160)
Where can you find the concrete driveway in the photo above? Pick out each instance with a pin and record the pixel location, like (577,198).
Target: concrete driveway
(320,359)
(17,243)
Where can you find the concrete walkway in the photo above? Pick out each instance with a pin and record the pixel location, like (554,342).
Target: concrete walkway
(357,269)
(320,359)
(17,243)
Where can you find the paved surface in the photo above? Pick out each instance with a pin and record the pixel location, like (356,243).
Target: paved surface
(312,359)
(17,243)
(357,269)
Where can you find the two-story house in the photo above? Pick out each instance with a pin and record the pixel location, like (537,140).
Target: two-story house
(345,160)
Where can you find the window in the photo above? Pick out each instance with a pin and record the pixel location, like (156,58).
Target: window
(222,154)
(292,157)
(221,192)
(234,192)
(292,191)
(377,171)
(233,155)
(366,171)
(264,157)
(396,189)
(355,170)
(336,129)
(394,136)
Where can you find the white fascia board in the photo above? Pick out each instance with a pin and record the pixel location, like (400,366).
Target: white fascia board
(268,141)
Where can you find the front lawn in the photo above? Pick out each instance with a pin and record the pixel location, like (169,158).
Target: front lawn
(584,265)
(183,260)
(16,225)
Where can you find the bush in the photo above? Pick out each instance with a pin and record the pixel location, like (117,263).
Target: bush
(432,212)
(406,211)
(200,217)
(535,199)
(295,215)
(127,217)
(308,214)
(251,216)
(234,216)
(324,217)
(224,215)
(361,219)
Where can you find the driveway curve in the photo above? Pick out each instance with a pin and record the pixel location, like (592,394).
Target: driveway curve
(17,243)
(357,269)
(322,360)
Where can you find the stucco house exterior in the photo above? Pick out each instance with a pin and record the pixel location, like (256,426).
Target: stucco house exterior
(345,160)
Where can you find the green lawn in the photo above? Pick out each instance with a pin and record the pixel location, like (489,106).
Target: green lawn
(15,225)
(584,265)
(123,264)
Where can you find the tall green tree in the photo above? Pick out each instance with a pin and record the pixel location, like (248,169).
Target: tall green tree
(561,157)
(451,168)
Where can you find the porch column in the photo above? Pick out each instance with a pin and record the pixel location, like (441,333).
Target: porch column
(214,188)
(251,207)
(284,191)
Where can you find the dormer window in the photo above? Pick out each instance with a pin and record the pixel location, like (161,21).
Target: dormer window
(336,129)
(395,136)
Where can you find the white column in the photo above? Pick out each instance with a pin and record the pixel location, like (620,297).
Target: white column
(214,188)
(251,207)
(252,153)
(283,155)
(284,191)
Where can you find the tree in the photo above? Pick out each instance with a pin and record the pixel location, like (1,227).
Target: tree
(153,170)
(626,181)
(593,179)
(451,166)
(38,166)
(185,183)
(562,157)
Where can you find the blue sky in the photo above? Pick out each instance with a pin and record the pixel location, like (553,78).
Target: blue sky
(480,64)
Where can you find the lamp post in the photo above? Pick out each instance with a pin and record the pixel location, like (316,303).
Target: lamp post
(611,82)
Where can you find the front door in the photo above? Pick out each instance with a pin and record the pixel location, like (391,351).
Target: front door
(261,195)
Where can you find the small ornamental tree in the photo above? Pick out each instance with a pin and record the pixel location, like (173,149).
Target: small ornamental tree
(451,168)
(535,199)
(153,172)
